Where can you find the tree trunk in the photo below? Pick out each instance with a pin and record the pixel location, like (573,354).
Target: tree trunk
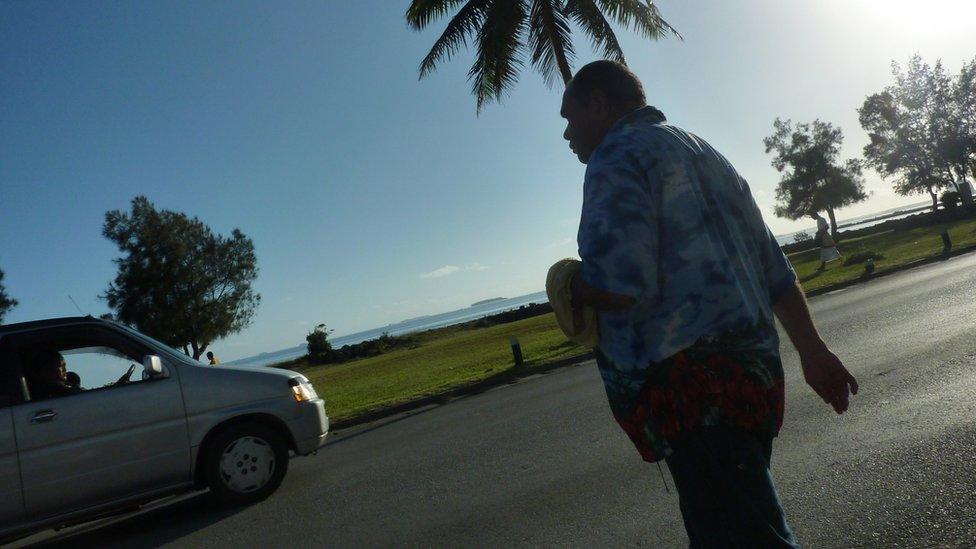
(935,200)
(186,351)
(197,351)
(833,223)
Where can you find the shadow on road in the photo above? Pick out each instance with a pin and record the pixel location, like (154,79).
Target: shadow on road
(162,523)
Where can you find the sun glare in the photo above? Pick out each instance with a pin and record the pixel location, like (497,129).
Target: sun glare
(928,17)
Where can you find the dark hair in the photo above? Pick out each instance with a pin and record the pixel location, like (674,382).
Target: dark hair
(624,90)
(46,359)
(209,354)
(73,380)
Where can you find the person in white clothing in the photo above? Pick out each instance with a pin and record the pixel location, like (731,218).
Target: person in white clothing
(828,248)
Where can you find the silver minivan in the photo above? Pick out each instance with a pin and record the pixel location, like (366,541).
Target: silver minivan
(96,417)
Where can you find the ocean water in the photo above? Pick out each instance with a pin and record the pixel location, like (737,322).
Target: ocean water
(418,324)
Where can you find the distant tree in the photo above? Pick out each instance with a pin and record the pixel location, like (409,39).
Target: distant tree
(177,281)
(319,347)
(6,302)
(506,30)
(813,179)
(964,99)
(801,236)
(920,131)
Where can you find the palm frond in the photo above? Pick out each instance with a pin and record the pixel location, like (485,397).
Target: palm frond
(550,41)
(464,25)
(422,12)
(591,21)
(500,45)
(643,15)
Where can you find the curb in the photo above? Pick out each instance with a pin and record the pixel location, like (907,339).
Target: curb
(890,270)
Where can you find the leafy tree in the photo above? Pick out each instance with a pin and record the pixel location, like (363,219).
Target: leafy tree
(964,101)
(6,302)
(178,281)
(319,348)
(813,180)
(922,127)
(505,30)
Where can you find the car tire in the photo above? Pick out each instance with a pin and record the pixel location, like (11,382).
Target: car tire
(245,463)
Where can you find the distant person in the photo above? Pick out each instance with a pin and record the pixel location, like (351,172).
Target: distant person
(213,359)
(49,376)
(828,248)
(686,278)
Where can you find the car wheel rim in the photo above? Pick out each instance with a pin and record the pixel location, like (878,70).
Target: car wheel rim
(247,464)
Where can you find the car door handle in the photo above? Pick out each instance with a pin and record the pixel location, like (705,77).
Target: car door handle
(44,416)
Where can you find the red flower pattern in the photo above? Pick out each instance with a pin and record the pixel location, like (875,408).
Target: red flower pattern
(740,391)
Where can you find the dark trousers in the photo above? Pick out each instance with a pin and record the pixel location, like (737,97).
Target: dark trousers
(726,491)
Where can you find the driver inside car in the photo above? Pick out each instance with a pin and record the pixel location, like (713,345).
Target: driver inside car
(49,376)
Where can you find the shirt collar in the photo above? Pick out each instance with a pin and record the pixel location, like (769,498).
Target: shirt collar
(646,113)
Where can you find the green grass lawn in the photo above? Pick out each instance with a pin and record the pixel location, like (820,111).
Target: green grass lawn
(449,357)
(898,249)
(444,359)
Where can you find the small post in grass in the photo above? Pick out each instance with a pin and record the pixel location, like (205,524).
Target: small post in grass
(946,242)
(869,267)
(517,351)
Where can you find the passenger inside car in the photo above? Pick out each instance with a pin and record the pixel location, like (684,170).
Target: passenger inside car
(48,377)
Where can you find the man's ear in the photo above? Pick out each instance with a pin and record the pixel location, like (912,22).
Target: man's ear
(599,104)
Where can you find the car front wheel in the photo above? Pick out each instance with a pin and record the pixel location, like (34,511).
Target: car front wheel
(245,463)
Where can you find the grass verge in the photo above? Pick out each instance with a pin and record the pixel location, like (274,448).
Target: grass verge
(898,248)
(445,359)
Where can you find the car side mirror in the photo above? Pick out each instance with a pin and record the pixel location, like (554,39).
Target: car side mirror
(152,367)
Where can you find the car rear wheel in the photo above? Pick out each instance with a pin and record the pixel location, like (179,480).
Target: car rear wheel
(245,463)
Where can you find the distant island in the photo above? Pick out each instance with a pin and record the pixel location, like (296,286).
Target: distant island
(483,301)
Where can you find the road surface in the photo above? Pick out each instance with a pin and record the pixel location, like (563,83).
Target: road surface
(541,462)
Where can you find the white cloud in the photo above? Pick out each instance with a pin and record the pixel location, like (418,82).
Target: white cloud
(446,270)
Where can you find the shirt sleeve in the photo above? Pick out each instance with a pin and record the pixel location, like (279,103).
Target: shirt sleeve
(618,234)
(778,270)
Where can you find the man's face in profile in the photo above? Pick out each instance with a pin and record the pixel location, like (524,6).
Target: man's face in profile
(586,125)
(55,372)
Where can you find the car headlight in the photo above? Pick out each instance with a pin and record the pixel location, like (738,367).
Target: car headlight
(302,389)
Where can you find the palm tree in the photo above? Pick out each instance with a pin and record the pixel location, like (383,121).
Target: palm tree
(505,29)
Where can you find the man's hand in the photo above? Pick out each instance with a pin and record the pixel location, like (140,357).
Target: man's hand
(601,300)
(826,374)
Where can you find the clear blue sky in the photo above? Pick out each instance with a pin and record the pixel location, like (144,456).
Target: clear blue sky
(303,124)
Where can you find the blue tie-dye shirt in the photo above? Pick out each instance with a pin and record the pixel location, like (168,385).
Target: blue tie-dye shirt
(667,219)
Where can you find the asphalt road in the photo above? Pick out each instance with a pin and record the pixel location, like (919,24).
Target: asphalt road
(541,462)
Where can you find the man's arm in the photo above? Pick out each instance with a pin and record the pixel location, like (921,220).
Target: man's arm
(823,371)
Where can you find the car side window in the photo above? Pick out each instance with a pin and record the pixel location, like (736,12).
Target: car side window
(99,367)
(68,361)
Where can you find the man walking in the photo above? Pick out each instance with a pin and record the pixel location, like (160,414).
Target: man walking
(686,278)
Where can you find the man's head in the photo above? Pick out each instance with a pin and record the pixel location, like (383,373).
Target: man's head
(210,355)
(599,95)
(49,366)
